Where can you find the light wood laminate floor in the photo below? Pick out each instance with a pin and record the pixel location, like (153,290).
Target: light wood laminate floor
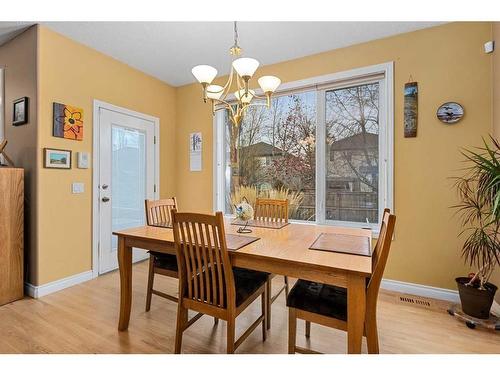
(84,318)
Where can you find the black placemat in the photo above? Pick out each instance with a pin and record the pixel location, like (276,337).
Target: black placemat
(343,243)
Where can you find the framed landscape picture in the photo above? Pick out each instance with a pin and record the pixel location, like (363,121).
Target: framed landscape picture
(57,159)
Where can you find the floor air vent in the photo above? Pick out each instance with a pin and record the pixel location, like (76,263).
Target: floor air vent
(415,301)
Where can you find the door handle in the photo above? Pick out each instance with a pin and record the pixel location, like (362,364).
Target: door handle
(105,199)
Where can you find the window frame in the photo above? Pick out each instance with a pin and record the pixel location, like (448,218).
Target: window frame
(381,73)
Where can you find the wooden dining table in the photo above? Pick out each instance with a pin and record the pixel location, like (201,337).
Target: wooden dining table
(283,251)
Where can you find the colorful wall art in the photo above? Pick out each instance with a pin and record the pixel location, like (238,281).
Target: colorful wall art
(68,122)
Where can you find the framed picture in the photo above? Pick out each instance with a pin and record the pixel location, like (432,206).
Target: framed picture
(20,111)
(57,159)
(411,109)
(68,122)
(450,113)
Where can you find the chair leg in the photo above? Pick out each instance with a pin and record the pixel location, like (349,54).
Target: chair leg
(308,329)
(287,287)
(292,330)
(182,319)
(151,276)
(371,333)
(231,328)
(268,304)
(263,303)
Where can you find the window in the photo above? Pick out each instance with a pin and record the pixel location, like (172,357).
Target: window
(275,153)
(352,147)
(325,144)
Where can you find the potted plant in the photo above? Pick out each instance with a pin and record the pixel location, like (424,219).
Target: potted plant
(479,210)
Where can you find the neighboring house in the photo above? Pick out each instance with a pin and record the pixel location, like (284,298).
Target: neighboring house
(352,178)
(253,158)
(352,160)
(261,151)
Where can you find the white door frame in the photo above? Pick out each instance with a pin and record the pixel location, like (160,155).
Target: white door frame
(98,104)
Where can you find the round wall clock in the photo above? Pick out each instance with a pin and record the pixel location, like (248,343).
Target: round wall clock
(450,112)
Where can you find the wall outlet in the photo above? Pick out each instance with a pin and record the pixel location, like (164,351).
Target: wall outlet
(77,188)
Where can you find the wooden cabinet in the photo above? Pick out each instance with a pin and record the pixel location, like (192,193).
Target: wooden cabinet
(11,234)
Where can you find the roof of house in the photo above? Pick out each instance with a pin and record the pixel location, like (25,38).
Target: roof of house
(261,149)
(357,141)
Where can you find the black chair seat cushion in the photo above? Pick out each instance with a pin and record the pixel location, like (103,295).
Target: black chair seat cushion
(247,282)
(319,298)
(164,261)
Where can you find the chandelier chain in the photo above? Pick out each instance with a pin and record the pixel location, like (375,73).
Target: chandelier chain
(242,70)
(235,34)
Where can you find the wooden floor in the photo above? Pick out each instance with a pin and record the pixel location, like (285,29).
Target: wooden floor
(83,319)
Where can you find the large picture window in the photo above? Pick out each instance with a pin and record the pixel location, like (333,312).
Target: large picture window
(275,154)
(352,148)
(325,145)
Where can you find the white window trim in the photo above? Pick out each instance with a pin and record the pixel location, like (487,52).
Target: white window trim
(381,72)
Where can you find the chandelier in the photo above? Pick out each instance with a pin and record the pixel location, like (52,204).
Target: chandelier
(242,70)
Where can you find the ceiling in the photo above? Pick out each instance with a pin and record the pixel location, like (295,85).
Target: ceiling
(168,50)
(9,30)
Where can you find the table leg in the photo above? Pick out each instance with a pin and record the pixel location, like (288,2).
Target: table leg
(356,306)
(125,264)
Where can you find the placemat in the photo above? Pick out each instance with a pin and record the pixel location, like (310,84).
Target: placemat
(235,242)
(260,224)
(343,243)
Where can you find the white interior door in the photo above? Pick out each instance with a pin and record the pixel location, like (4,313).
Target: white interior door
(126,178)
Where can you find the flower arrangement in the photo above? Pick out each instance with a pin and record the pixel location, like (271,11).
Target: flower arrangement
(244,212)
(249,194)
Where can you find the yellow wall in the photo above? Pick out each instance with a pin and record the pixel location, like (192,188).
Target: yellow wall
(496,80)
(19,58)
(449,64)
(73,74)
(496,116)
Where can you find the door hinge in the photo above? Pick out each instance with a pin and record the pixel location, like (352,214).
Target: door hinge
(154,188)
(154,139)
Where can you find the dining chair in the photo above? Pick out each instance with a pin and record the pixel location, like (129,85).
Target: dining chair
(327,304)
(273,211)
(158,213)
(208,283)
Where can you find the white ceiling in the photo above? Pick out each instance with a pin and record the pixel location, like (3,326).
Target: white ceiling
(168,50)
(9,30)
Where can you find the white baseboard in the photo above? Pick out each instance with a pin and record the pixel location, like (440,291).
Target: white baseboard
(54,286)
(420,290)
(392,285)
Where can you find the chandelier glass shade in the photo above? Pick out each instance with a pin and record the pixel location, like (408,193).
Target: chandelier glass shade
(242,71)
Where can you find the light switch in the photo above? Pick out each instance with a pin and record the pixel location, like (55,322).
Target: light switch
(77,187)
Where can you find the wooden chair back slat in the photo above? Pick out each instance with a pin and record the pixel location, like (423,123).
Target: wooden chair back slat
(205,271)
(271,210)
(380,254)
(159,211)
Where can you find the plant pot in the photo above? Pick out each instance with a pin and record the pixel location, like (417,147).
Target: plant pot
(475,302)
